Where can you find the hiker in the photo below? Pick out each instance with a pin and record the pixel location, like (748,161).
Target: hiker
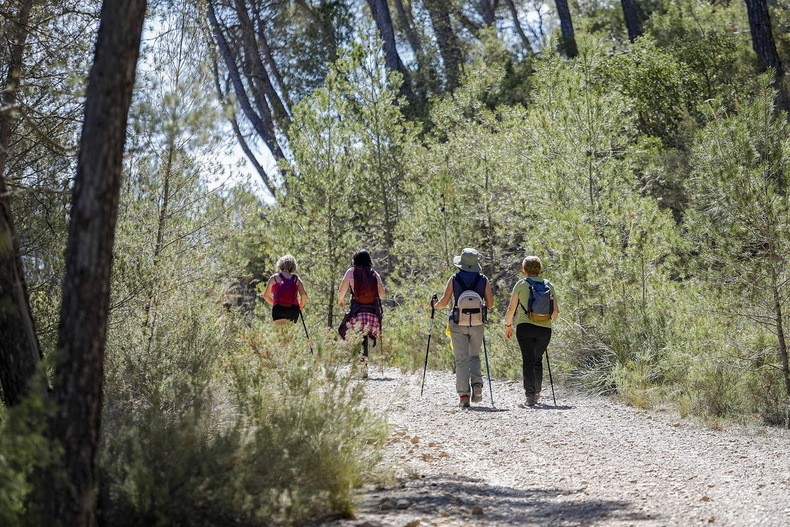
(285,292)
(364,314)
(533,306)
(471,292)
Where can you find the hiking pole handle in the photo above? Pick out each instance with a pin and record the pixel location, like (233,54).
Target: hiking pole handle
(434,298)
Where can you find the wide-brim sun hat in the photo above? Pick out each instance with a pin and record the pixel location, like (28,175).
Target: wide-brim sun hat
(469,260)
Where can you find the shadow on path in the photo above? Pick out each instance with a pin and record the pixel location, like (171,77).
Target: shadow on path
(464,500)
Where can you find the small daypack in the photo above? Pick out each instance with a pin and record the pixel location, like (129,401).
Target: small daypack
(366,287)
(285,291)
(469,309)
(540,305)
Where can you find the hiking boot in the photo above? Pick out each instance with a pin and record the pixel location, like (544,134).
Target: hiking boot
(477,392)
(532,399)
(464,402)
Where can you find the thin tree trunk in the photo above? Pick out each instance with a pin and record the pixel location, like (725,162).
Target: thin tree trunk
(69,494)
(407,22)
(19,347)
(383,19)
(568,46)
(517,23)
(265,93)
(265,178)
(632,19)
(764,45)
(447,40)
(266,132)
(269,58)
(780,332)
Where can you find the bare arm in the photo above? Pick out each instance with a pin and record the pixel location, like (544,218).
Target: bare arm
(509,314)
(382,291)
(448,293)
(302,293)
(341,294)
(489,295)
(267,294)
(556,312)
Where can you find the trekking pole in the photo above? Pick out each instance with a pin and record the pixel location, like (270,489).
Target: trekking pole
(551,381)
(428,347)
(488,370)
(301,315)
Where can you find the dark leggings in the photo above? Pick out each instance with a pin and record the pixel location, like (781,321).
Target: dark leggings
(365,346)
(533,341)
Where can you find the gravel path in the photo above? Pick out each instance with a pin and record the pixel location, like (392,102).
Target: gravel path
(586,461)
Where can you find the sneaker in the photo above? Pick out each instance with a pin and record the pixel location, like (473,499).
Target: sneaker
(477,392)
(464,402)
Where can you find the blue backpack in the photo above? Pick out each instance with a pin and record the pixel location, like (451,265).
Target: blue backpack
(540,305)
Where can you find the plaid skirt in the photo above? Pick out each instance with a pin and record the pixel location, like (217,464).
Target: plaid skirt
(368,323)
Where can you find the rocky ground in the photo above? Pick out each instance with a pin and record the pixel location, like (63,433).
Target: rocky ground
(583,461)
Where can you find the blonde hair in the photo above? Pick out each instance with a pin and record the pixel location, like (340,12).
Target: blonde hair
(286,264)
(531,265)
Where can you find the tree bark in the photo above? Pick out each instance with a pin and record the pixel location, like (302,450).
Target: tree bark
(264,92)
(447,40)
(383,18)
(568,45)
(69,494)
(407,23)
(265,130)
(19,348)
(764,45)
(517,23)
(633,21)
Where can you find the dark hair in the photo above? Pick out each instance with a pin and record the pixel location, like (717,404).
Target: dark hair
(362,259)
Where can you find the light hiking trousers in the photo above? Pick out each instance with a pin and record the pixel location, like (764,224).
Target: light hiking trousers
(467,342)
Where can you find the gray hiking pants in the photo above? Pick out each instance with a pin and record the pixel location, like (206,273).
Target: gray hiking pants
(467,342)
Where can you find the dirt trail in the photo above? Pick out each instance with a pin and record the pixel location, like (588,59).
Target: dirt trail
(586,461)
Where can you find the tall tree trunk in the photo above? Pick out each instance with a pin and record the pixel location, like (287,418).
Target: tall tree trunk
(447,40)
(383,18)
(765,46)
(780,331)
(517,24)
(262,127)
(407,23)
(568,44)
(264,92)
(19,348)
(68,495)
(632,19)
(265,178)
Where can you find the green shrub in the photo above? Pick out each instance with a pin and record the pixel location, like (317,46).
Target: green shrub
(23,449)
(237,425)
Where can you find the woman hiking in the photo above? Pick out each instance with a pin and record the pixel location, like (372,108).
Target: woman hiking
(533,306)
(285,292)
(364,314)
(471,292)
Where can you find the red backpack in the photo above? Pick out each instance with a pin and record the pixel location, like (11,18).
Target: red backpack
(366,287)
(285,291)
